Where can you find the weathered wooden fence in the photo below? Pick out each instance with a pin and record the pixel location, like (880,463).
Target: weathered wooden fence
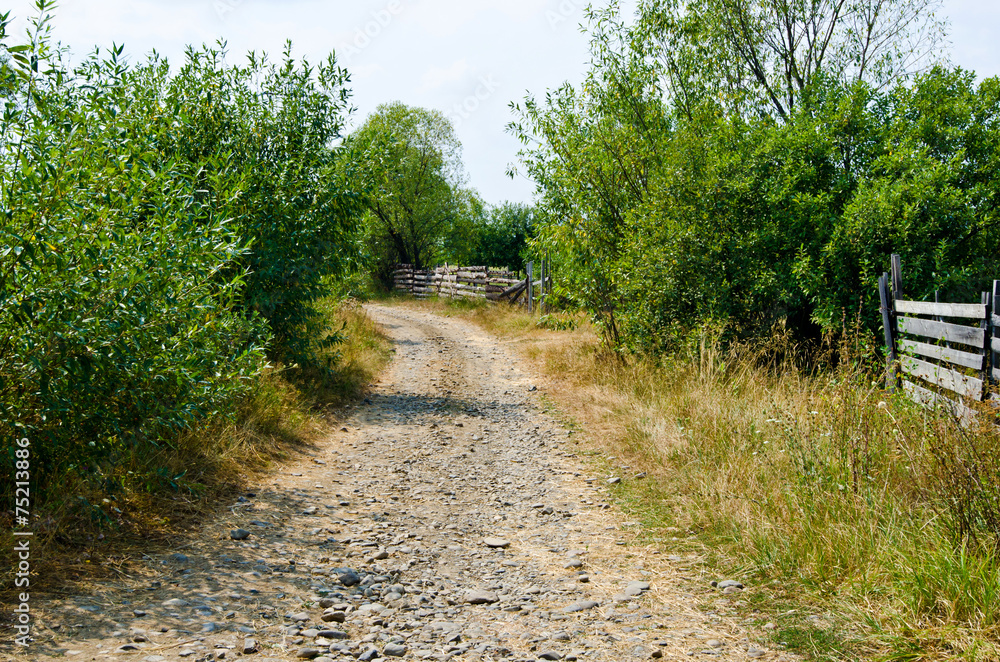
(941,354)
(473,282)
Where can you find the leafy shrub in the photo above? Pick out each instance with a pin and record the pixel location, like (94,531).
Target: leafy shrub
(158,235)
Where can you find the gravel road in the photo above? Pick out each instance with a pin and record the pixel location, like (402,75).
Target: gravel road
(448,518)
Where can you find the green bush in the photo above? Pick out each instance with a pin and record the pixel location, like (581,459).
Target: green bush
(665,211)
(159,235)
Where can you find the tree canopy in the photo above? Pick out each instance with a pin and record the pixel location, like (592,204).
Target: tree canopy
(748,163)
(411,161)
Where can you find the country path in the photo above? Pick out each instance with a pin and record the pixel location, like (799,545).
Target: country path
(448,518)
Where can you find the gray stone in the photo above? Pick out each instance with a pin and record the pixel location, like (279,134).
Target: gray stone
(239,534)
(349,578)
(176,602)
(614,480)
(300,617)
(178,558)
(369,654)
(582,605)
(550,655)
(394,650)
(481,597)
(726,583)
(249,646)
(332,634)
(756,653)
(496,542)
(333,617)
(308,653)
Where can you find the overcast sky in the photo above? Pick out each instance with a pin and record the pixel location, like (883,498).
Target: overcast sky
(467,58)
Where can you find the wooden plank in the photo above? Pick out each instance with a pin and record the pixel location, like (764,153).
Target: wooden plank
(952,380)
(956,356)
(968,335)
(929,398)
(967,310)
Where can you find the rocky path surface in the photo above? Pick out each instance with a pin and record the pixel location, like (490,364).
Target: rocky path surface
(448,519)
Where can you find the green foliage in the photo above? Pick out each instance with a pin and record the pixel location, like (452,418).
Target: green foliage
(409,159)
(500,237)
(672,198)
(158,233)
(284,185)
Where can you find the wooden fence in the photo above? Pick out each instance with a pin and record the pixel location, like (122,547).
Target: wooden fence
(941,354)
(474,282)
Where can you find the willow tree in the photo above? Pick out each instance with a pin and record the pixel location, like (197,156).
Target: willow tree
(411,160)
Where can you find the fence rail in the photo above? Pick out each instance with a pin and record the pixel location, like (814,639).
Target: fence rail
(477,282)
(941,354)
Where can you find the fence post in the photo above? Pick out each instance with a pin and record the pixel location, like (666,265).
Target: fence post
(529,268)
(541,290)
(897,277)
(888,327)
(994,343)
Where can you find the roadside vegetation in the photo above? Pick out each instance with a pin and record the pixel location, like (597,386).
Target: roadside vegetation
(864,526)
(169,243)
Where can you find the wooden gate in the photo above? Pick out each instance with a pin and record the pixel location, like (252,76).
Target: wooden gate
(940,354)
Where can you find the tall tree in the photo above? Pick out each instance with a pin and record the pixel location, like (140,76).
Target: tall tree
(763,55)
(411,159)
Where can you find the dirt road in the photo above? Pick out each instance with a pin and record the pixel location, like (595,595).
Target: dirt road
(449,518)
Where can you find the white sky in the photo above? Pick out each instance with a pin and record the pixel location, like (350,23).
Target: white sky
(467,58)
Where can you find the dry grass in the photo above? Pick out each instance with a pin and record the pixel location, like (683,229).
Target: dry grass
(827,495)
(89,526)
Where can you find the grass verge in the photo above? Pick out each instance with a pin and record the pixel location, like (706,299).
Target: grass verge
(95,521)
(864,527)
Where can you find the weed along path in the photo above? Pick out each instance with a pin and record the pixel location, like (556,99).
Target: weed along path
(446,517)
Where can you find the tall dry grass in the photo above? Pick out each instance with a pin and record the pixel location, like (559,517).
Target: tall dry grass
(796,471)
